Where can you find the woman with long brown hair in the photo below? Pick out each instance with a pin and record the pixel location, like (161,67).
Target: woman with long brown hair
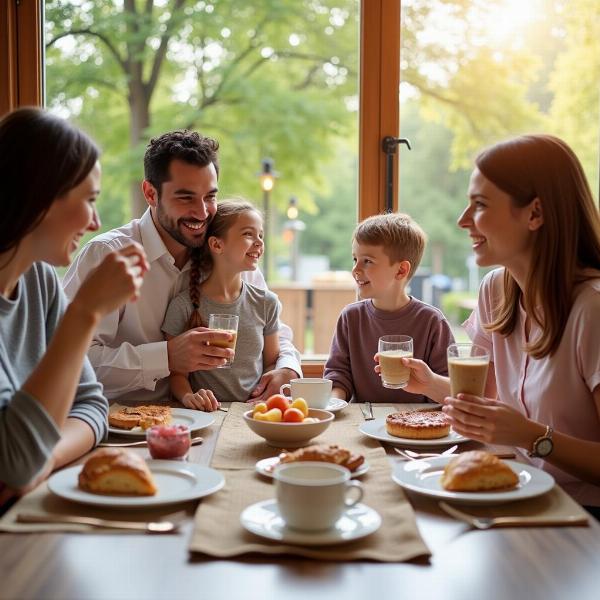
(52,409)
(531,211)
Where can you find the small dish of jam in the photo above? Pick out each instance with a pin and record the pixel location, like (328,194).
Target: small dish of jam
(168,441)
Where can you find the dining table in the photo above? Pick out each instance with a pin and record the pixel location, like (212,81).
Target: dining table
(532,563)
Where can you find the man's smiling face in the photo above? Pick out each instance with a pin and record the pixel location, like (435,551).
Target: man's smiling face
(187,202)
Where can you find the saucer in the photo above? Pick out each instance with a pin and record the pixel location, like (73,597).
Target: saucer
(263,519)
(267,465)
(336,405)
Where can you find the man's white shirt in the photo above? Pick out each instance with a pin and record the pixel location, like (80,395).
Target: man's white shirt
(128,351)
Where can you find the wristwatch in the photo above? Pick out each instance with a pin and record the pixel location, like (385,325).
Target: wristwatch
(544,445)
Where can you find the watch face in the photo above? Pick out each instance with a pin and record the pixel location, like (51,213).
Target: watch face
(544,447)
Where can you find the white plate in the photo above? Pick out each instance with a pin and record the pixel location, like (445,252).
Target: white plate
(423,476)
(266,465)
(336,404)
(264,520)
(376,429)
(194,419)
(177,481)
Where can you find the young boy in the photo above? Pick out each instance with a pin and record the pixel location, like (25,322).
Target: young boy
(386,251)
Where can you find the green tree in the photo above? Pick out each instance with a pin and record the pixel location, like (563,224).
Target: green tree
(329,225)
(575,110)
(432,193)
(268,77)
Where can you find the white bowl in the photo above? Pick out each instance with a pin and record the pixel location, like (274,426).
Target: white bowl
(290,435)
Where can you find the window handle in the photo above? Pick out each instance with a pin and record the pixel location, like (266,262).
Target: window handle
(389,145)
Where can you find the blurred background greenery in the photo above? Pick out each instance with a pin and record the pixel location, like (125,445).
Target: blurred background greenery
(279,79)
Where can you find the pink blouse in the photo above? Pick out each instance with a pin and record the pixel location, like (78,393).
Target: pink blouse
(556,390)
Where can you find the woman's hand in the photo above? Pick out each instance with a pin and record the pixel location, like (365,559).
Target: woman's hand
(490,421)
(201,400)
(115,281)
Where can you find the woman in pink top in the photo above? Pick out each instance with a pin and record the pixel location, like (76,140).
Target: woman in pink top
(531,211)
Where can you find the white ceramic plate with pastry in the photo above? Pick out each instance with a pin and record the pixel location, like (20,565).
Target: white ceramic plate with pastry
(424,477)
(376,429)
(263,519)
(177,481)
(266,465)
(194,419)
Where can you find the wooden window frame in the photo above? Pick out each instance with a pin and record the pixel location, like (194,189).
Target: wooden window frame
(21,54)
(22,84)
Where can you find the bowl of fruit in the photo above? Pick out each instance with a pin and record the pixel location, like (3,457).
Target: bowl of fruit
(286,423)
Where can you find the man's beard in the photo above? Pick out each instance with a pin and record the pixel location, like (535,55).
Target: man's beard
(172,228)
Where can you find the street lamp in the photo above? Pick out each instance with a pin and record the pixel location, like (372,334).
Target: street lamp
(267,183)
(294,226)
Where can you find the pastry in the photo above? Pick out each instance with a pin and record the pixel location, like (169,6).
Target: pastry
(324,453)
(478,471)
(418,424)
(115,471)
(144,416)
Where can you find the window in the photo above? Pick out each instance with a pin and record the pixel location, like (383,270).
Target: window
(473,74)
(277,83)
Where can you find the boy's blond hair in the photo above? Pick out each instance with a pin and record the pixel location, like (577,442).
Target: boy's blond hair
(401,237)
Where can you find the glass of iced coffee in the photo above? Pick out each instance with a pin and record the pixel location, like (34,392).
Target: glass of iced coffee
(468,367)
(392,349)
(228,323)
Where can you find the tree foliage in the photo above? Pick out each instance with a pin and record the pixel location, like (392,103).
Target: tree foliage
(266,78)
(279,78)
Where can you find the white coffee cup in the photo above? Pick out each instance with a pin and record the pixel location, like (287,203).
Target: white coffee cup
(314,390)
(312,496)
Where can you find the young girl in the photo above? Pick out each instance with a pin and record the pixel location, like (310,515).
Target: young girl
(52,409)
(234,243)
(531,211)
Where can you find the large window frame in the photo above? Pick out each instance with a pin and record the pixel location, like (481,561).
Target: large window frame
(22,82)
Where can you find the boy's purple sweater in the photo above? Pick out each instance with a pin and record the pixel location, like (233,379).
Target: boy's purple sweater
(359,327)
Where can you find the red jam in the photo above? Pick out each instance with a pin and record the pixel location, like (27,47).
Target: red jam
(168,441)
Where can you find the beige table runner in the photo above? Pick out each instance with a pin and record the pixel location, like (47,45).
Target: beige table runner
(238,449)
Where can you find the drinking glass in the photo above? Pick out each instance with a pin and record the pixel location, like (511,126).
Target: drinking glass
(468,367)
(392,349)
(228,323)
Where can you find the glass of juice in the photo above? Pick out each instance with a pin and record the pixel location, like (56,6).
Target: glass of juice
(228,323)
(468,367)
(392,349)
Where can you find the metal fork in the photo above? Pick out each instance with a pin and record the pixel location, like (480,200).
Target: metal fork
(367,412)
(409,454)
(489,522)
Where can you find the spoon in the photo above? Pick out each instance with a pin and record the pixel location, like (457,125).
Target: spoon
(150,527)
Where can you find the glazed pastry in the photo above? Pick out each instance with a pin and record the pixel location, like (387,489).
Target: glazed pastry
(144,416)
(115,471)
(478,471)
(324,453)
